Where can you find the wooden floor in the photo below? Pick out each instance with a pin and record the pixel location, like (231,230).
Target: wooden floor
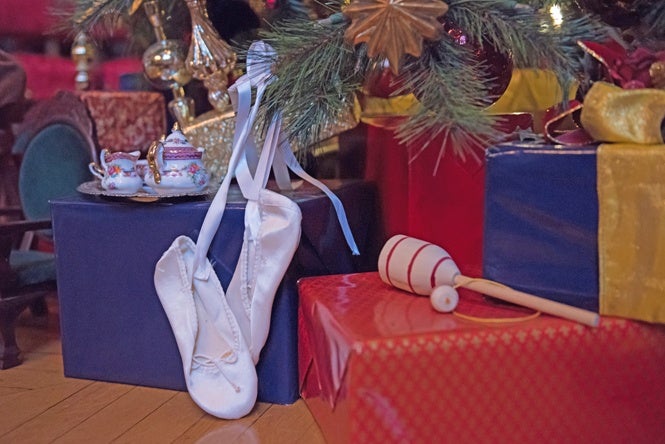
(39,405)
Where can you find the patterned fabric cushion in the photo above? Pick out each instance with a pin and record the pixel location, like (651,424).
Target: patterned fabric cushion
(126,120)
(32,267)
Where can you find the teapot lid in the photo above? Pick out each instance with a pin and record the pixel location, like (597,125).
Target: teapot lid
(177,140)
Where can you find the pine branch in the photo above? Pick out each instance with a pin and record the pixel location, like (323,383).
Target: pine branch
(653,16)
(453,92)
(317,77)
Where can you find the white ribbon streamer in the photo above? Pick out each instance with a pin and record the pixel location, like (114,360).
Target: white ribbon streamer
(251,176)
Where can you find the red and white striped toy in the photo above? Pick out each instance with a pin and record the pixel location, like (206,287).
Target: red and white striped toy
(426,269)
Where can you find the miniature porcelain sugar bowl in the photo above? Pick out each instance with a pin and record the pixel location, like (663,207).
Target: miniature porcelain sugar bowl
(118,171)
(175,166)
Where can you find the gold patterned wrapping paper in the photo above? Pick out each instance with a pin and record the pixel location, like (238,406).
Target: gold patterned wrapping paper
(631,231)
(126,120)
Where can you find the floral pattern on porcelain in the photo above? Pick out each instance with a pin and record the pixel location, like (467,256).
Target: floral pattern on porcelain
(177,166)
(118,171)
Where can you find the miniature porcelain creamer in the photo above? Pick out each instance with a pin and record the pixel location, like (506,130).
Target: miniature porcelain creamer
(118,171)
(175,166)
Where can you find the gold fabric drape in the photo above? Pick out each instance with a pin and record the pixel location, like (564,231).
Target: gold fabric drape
(631,198)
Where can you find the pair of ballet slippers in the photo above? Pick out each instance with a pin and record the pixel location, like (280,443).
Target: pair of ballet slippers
(220,334)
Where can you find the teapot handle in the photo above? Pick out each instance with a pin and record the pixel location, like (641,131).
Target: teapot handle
(154,157)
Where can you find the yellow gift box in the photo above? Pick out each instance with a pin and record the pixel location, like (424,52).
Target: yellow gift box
(631,199)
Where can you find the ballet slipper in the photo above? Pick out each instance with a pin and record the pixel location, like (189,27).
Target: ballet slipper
(272,234)
(219,372)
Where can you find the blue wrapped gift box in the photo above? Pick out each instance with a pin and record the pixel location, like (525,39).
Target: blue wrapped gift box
(113,327)
(541,221)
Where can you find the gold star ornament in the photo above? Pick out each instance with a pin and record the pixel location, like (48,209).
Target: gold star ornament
(392,28)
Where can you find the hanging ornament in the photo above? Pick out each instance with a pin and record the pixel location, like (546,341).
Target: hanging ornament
(210,58)
(164,66)
(498,66)
(392,28)
(657,72)
(83,55)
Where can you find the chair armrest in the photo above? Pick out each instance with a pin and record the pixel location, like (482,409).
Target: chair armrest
(11,211)
(21,226)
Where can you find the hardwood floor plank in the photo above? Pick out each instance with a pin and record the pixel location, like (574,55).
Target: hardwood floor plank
(283,423)
(213,430)
(39,404)
(118,416)
(45,362)
(312,435)
(20,377)
(25,406)
(68,413)
(165,424)
(6,391)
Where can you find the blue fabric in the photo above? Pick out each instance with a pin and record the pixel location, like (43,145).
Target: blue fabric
(541,221)
(32,267)
(54,164)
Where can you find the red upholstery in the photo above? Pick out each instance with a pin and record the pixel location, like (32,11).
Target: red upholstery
(46,74)
(26,18)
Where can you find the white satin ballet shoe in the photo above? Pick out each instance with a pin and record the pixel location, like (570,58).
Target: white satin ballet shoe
(272,234)
(219,372)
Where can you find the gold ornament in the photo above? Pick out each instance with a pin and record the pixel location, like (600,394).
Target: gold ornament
(210,58)
(392,28)
(164,66)
(657,73)
(83,55)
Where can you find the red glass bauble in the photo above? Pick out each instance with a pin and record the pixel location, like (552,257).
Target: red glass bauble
(381,82)
(498,65)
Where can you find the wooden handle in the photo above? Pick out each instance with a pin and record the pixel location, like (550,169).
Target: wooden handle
(585,317)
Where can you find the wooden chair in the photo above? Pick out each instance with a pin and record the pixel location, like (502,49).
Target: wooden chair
(54,144)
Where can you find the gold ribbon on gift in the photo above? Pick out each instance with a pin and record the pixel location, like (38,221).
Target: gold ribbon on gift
(529,91)
(631,199)
(613,114)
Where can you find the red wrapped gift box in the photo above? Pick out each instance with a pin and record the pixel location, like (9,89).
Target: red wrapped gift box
(379,365)
(432,193)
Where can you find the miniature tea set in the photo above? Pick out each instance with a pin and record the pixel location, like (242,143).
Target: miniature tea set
(173,167)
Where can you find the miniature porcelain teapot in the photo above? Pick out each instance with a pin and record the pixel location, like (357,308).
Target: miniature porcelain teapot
(118,171)
(175,166)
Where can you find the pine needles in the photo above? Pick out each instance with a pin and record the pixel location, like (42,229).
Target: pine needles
(318,74)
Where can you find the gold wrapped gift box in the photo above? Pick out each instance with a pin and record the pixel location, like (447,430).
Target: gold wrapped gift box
(631,198)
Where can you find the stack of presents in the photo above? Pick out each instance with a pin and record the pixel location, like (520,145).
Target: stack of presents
(578,223)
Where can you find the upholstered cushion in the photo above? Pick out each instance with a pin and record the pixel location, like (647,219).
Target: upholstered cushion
(54,164)
(32,267)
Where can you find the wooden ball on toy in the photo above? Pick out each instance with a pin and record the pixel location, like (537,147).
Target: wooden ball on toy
(444,299)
